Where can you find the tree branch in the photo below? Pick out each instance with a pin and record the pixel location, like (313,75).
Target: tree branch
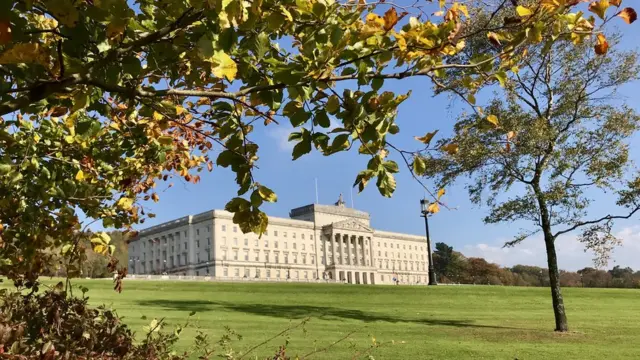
(604,218)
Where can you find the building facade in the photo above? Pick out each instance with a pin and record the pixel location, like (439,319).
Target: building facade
(317,243)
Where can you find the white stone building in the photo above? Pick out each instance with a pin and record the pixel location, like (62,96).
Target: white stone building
(318,243)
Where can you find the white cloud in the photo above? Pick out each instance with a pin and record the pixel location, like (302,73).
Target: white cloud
(280,133)
(571,254)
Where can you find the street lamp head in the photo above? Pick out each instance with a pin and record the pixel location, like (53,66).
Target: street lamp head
(424,205)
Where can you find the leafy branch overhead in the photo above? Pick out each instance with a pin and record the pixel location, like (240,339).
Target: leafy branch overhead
(103,101)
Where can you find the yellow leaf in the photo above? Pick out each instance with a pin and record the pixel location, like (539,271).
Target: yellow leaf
(27,53)
(523,11)
(462,8)
(63,10)
(599,7)
(511,135)
(80,175)
(114,126)
(223,66)
(125,203)
(100,249)
(493,120)
(616,3)
(602,46)
(427,138)
(628,15)
(433,208)
(5,32)
(441,192)
(180,110)
(157,116)
(155,197)
(375,20)
(451,149)
(36,138)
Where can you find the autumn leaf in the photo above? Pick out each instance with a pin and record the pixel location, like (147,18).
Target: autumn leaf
(24,53)
(602,46)
(494,38)
(599,8)
(450,149)
(375,20)
(628,15)
(493,120)
(390,19)
(427,138)
(80,175)
(616,3)
(511,135)
(523,11)
(433,208)
(155,197)
(419,166)
(5,32)
(223,66)
(65,11)
(441,193)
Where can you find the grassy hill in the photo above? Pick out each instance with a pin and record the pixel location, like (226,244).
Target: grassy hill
(444,322)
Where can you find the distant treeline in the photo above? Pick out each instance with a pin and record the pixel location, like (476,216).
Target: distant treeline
(453,267)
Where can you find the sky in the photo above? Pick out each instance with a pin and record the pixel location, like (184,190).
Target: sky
(460,227)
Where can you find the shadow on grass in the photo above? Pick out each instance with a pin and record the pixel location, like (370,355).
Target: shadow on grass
(304,311)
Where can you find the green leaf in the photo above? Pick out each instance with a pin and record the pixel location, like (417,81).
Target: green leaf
(419,166)
(5,169)
(267,194)
(301,148)
(322,119)
(223,66)
(377,83)
(261,45)
(237,204)
(501,76)
(340,142)
(333,104)
(206,47)
(391,166)
(300,117)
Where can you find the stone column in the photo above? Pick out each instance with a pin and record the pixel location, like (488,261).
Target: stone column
(325,245)
(339,243)
(355,243)
(333,248)
(371,255)
(348,242)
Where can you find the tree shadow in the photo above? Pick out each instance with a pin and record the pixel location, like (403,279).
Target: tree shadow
(305,311)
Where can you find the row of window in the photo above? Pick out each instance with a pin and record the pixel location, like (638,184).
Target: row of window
(279,274)
(398,255)
(275,233)
(407,265)
(256,243)
(404,246)
(276,257)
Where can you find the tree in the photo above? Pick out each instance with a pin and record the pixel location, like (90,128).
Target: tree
(104,101)
(550,137)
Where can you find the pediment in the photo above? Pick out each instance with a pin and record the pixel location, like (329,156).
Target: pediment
(353,225)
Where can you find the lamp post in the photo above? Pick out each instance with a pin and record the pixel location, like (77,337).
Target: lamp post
(424,205)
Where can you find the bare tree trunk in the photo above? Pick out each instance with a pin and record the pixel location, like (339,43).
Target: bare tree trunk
(554,282)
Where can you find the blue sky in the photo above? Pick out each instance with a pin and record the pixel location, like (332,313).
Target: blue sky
(461,227)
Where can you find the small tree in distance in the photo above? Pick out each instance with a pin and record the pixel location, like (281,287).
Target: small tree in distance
(553,135)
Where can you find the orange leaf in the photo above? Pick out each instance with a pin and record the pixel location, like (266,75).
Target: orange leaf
(390,19)
(5,32)
(511,135)
(599,8)
(210,166)
(615,2)
(493,39)
(155,197)
(602,46)
(628,15)
(433,208)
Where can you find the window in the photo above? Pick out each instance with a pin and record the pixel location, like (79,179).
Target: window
(302,247)
(207,271)
(208,228)
(236,272)
(198,244)
(224,228)
(304,259)
(225,271)
(235,229)
(313,260)
(378,243)
(172,249)
(286,245)
(185,233)
(198,257)
(410,256)
(255,243)
(185,246)
(235,241)
(257,256)
(379,253)
(297,274)
(385,253)
(235,254)
(286,258)
(397,246)
(284,234)
(385,244)
(302,236)
(208,256)
(310,237)
(294,246)
(246,256)
(266,243)
(197,232)
(293,235)
(257,273)
(209,242)
(278,274)
(224,240)
(246,242)
(268,273)
(266,232)
(247,272)
(277,259)
(306,275)
(404,247)
(275,244)
(275,233)
(321,261)
(405,255)
(266,256)
(381,277)
(295,258)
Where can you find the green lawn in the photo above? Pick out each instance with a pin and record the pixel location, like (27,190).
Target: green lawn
(445,322)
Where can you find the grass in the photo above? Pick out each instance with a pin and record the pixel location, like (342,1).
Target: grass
(445,322)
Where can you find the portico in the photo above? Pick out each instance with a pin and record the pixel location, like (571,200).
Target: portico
(348,252)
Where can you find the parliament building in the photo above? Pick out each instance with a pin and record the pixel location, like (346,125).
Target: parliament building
(317,243)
